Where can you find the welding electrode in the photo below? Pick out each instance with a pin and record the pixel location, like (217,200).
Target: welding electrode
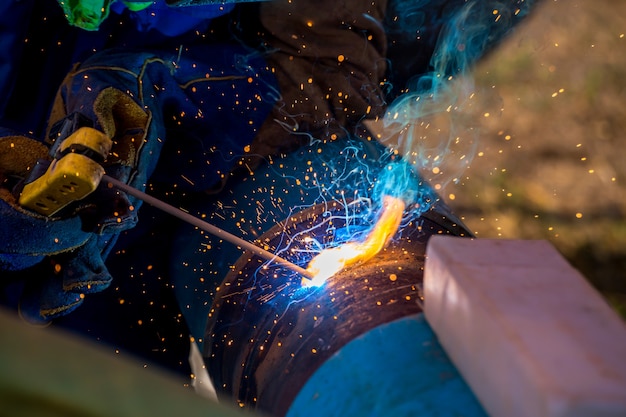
(207,227)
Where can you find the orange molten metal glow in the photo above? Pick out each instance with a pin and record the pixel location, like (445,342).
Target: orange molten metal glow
(330,261)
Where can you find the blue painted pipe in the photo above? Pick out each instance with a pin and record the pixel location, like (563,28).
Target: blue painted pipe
(395,369)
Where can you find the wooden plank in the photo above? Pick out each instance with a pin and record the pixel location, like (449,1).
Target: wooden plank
(525,329)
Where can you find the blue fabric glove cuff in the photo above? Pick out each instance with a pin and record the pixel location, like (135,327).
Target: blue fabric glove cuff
(63,281)
(26,237)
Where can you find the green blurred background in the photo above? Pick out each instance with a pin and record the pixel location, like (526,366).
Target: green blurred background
(551,162)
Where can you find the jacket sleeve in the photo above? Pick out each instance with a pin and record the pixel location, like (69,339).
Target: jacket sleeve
(329,59)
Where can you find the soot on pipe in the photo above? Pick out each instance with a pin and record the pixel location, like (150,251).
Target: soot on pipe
(267,335)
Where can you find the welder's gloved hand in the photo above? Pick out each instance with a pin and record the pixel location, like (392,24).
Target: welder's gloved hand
(329,59)
(60,282)
(115,114)
(26,237)
(60,255)
(57,260)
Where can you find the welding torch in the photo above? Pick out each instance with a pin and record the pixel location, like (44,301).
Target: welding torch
(75,173)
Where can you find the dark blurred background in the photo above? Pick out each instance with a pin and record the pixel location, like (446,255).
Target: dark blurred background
(551,163)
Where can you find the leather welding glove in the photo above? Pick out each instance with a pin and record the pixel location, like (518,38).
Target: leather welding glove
(120,118)
(30,242)
(329,60)
(60,257)
(59,284)
(27,237)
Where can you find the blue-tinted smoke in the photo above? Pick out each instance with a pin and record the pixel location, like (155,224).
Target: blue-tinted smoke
(434,122)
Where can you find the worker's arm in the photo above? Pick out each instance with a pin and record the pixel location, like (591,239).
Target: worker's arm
(329,60)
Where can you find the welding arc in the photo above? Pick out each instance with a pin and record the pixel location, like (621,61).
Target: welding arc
(207,227)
